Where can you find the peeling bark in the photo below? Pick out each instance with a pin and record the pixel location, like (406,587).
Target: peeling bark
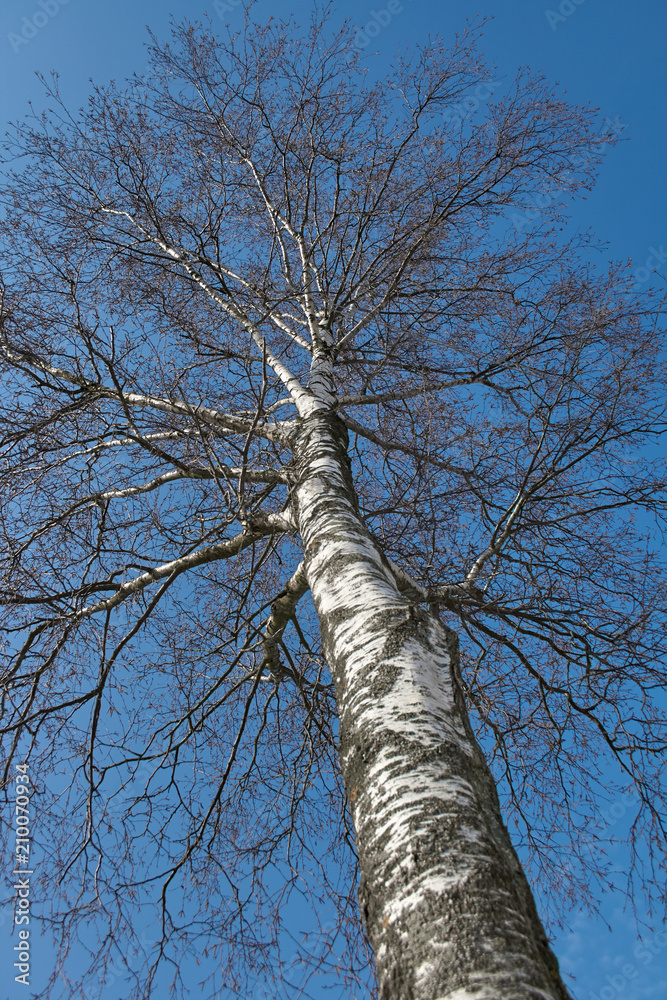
(447,907)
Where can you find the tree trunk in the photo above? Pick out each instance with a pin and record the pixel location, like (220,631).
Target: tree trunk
(447,907)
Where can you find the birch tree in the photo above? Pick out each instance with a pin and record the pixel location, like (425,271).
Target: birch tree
(330,511)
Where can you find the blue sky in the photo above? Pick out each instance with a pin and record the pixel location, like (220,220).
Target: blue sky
(606,52)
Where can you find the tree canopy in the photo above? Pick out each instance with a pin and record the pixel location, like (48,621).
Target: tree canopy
(191,267)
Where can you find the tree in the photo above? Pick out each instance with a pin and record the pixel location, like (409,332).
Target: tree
(268,330)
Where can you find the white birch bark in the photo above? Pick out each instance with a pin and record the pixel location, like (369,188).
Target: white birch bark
(448,910)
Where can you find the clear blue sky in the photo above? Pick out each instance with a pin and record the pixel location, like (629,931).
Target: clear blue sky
(610,53)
